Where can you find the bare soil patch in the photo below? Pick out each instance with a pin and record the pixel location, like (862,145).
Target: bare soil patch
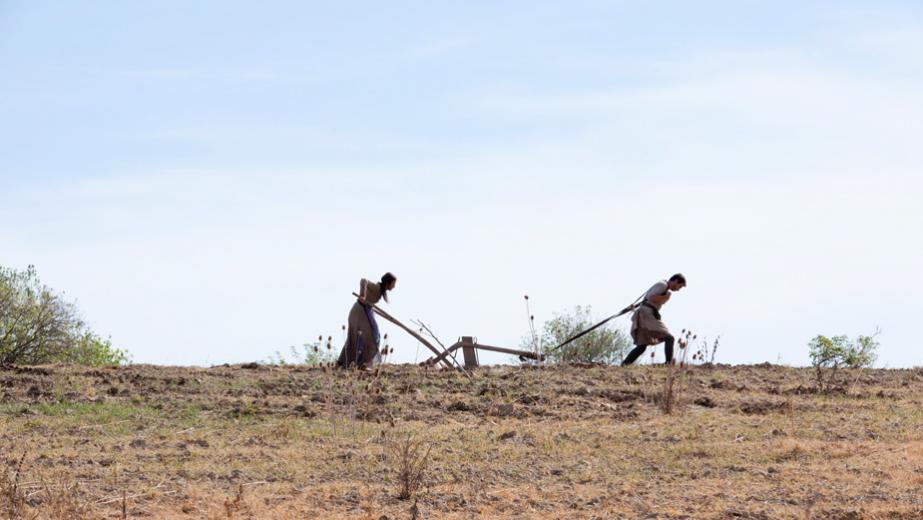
(257,441)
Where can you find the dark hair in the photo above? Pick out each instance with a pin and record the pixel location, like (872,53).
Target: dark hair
(678,278)
(386,280)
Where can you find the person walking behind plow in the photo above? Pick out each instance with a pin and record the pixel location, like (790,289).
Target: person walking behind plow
(362,336)
(647,327)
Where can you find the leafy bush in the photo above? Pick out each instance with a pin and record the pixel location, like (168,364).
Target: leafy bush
(828,355)
(38,326)
(603,345)
(96,351)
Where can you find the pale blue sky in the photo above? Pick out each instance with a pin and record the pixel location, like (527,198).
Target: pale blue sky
(210,179)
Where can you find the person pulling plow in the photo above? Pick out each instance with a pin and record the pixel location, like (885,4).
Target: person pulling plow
(647,326)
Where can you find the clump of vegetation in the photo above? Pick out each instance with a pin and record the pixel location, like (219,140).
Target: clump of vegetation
(38,326)
(669,397)
(706,352)
(316,353)
(411,457)
(533,341)
(60,497)
(829,355)
(602,345)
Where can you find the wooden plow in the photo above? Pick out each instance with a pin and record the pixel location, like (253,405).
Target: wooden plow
(414,333)
(467,344)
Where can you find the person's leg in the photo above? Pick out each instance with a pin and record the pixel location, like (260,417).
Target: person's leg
(668,348)
(634,354)
(376,336)
(367,346)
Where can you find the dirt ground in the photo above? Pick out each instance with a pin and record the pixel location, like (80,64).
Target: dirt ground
(256,441)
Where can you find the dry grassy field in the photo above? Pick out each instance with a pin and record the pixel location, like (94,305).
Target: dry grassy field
(258,441)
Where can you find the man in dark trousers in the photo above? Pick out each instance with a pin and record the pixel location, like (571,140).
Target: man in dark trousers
(647,327)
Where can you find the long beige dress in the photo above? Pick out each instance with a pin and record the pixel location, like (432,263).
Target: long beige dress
(362,339)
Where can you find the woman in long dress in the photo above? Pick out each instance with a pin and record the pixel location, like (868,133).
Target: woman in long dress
(362,337)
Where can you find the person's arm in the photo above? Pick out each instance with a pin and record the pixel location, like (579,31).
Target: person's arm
(363,286)
(658,289)
(659,299)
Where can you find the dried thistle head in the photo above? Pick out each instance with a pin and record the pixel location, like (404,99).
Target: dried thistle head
(526,297)
(386,335)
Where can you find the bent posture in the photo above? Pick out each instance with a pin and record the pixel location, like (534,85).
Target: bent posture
(362,337)
(647,327)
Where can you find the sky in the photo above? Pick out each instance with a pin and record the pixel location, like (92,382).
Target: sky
(210,180)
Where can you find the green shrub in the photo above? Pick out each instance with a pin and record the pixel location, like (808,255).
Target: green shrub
(603,345)
(38,326)
(96,351)
(828,355)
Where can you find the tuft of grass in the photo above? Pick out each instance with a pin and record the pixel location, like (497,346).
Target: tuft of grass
(411,457)
(61,497)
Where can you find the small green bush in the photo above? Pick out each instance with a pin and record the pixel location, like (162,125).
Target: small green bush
(603,345)
(828,355)
(312,353)
(93,350)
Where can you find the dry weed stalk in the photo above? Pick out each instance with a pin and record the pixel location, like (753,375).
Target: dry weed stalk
(703,352)
(233,506)
(667,396)
(536,342)
(11,493)
(669,399)
(411,456)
